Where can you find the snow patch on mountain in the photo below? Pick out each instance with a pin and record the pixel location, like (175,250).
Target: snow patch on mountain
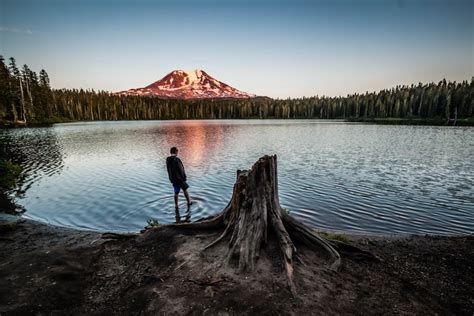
(188,84)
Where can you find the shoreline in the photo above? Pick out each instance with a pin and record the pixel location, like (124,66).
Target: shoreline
(351,235)
(50,269)
(463,122)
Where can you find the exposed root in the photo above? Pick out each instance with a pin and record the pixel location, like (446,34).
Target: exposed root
(215,242)
(300,260)
(117,236)
(208,281)
(353,251)
(286,246)
(215,222)
(302,233)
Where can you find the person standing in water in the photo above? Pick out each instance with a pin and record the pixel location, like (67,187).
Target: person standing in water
(177,176)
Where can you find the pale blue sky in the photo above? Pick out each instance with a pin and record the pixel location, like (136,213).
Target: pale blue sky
(273,48)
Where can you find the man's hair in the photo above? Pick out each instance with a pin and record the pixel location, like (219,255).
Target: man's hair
(173,150)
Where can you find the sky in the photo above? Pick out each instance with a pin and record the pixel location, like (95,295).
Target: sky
(274,48)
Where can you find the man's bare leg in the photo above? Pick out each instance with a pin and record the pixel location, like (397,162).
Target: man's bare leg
(176,200)
(186,194)
(177,215)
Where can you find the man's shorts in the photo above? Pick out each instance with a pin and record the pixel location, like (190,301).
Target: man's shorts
(177,187)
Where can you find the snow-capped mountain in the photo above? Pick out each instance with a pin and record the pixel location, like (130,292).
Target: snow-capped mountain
(194,84)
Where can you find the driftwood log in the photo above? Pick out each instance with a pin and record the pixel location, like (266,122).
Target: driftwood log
(253,210)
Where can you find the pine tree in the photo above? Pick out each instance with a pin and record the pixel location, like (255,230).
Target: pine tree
(5,102)
(27,79)
(16,89)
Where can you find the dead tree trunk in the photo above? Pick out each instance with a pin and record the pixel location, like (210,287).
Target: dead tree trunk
(23,108)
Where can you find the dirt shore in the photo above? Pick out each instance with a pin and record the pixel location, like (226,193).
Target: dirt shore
(52,270)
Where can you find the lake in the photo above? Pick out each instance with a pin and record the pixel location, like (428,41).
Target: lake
(337,176)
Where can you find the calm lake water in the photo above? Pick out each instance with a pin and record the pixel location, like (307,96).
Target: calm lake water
(332,175)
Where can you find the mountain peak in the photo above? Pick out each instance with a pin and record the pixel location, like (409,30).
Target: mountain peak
(188,84)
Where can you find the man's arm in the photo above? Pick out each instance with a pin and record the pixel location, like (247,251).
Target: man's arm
(181,170)
(168,168)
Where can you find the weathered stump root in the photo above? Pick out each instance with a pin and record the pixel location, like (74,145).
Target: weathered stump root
(254,208)
(117,236)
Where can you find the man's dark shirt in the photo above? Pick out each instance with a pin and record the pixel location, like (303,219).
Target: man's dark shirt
(175,170)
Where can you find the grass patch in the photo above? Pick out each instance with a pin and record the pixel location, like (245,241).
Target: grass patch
(152,223)
(8,226)
(338,237)
(9,173)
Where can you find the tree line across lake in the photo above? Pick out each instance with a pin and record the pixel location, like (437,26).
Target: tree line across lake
(26,97)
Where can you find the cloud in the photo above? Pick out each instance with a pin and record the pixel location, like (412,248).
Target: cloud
(15,30)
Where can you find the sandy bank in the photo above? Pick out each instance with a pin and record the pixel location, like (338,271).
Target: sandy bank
(52,270)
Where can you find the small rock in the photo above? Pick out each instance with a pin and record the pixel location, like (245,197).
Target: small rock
(209,291)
